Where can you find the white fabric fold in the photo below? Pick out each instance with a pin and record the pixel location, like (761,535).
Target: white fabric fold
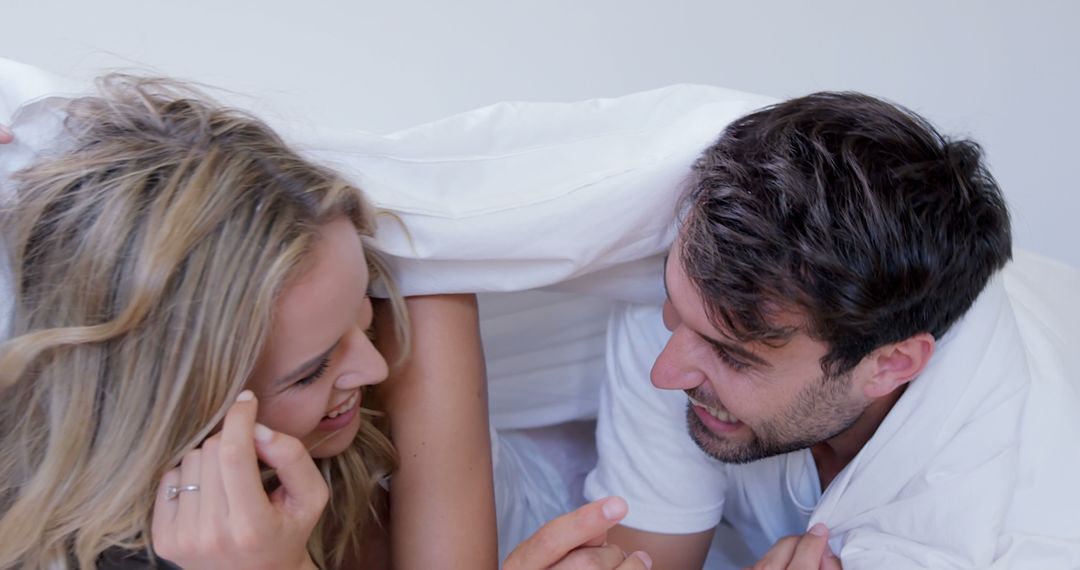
(949,447)
(510,197)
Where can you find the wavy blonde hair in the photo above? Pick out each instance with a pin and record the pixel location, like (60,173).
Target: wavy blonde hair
(147,255)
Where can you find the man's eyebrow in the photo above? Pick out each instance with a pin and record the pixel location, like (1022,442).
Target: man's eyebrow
(307,365)
(737,351)
(716,344)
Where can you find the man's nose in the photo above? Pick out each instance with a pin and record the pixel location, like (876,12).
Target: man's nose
(673,369)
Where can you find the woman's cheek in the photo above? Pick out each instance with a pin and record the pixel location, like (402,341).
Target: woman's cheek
(290,415)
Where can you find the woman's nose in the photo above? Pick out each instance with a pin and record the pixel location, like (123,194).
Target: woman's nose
(364,364)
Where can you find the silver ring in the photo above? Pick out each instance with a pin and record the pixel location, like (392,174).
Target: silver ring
(172,491)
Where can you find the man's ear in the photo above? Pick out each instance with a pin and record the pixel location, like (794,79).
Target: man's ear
(897,364)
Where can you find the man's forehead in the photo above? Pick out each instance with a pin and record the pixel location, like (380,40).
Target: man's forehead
(785,318)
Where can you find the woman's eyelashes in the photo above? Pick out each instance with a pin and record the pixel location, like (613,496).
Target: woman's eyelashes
(316,374)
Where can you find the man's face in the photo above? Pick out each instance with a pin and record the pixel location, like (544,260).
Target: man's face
(749,401)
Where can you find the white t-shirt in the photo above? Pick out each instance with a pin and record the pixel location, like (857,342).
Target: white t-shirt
(647,456)
(967,471)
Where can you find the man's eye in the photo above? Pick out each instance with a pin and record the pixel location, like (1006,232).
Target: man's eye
(725,356)
(323,365)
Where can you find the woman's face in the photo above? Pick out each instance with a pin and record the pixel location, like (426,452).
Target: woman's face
(318,357)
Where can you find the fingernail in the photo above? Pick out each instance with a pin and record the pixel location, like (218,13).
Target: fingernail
(644,558)
(614,508)
(245,396)
(819,530)
(263,434)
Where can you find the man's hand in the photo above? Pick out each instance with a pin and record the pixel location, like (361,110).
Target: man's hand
(6,135)
(809,551)
(578,540)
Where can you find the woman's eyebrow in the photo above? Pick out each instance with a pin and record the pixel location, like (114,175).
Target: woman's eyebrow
(305,366)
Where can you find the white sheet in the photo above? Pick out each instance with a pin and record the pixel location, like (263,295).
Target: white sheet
(572,197)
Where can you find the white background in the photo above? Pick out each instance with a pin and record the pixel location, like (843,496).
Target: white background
(1005,73)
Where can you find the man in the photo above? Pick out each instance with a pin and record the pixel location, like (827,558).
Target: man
(840,347)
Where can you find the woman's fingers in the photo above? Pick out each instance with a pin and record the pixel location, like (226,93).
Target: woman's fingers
(607,557)
(161,525)
(636,561)
(587,526)
(239,463)
(811,548)
(187,492)
(213,504)
(303,493)
(213,510)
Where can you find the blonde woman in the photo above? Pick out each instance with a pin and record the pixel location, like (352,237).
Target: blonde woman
(191,295)
(186,374)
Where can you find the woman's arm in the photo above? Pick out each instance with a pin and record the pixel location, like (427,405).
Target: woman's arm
(442,503)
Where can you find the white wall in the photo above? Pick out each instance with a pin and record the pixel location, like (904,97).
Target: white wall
(1004,72)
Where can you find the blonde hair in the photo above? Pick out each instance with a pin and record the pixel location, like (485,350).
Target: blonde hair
(147,254)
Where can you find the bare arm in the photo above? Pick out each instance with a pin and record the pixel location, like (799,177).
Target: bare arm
(442,504)
(668,551)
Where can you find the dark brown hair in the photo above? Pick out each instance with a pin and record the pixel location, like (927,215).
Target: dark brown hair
(850,210)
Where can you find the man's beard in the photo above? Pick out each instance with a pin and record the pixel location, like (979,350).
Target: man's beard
(821,411)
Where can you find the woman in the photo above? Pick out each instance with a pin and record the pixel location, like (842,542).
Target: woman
(171,259)
(189,301)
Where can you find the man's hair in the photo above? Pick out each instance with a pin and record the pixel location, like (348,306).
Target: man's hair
(853,212)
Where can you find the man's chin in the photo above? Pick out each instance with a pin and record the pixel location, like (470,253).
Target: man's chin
(731,448)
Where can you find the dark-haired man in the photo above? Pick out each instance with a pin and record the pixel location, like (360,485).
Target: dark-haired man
(838,338)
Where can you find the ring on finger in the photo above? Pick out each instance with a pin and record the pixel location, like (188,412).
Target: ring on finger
(173,491)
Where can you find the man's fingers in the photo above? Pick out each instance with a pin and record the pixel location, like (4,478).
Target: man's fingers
(6,135)
(558,537)
(238,461)
(303,491)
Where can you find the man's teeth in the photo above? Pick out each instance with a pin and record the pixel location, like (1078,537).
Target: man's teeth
(717,412)
(348,405)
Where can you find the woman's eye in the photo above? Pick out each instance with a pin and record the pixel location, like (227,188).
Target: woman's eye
(323,365)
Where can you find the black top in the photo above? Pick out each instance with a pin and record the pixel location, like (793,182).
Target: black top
(119,559)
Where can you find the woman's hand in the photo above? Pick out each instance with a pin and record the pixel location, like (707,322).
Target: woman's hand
(578,540)
(6,135)
(212,511)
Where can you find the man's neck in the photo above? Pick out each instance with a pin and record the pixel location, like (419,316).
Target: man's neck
(833,454)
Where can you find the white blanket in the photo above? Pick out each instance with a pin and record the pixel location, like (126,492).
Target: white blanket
(989,431)
(571,197)
(980,450)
